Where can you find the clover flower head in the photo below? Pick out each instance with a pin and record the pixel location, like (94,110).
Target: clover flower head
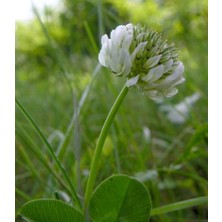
(141,56)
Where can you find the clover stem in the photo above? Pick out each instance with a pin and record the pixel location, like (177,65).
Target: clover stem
(103,134)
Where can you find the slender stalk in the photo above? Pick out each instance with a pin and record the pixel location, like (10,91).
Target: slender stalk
(179,205)
(21,133)
(52,153)
(63,145)
(100,143)
(22,194)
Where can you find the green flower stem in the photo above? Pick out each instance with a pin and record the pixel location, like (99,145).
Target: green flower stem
(179,205)
(52,153)
(100,143)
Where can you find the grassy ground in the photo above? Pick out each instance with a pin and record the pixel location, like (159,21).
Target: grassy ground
(169,158)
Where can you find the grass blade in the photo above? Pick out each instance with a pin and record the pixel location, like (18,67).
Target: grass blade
(26,139)
(63,145)
(51,152)
(92,40)
(22,194)
(179,205)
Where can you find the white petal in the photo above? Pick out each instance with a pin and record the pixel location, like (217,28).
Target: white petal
(117,68)
(154,74)
(103,55)
(170,92)
(129,26)
(168,65)
(118,35)
(121,64)
(179,82)
(173,78)
(104,39)
(138,49)
(102,59)
(154,94)
(115,59)
(133,81)
(177,74)
(127,63)
(127,41)
(116,31)
(152,61)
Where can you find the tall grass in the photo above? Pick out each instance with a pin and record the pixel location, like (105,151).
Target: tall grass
(69,106)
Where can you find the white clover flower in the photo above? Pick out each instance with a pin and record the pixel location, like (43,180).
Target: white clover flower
(115,53)
(140,55)
(179,113)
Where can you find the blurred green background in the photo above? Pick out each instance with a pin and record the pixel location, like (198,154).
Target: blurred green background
(57,70)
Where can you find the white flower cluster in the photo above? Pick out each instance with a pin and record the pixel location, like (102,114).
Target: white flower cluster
(140,55)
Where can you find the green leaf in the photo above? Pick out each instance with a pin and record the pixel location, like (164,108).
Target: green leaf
(179,205)
(120,198)
(50,210)
(51,152)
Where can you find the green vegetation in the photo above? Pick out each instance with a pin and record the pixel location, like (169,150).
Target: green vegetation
(60,86)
